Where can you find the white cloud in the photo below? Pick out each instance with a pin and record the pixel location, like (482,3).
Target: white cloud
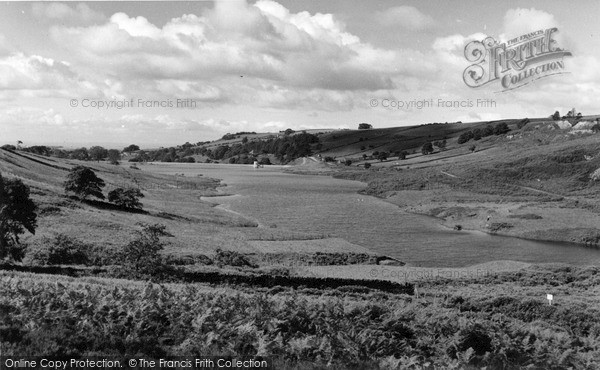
(54,11)
(406,17)
(520,21)
(33,75)
(237,47)
(31,118)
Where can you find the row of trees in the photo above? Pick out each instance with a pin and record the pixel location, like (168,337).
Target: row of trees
(95,153)
(476,134)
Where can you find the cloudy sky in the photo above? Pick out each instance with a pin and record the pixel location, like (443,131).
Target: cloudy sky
(269,65)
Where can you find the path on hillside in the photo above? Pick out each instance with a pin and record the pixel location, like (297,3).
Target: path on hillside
(522,187)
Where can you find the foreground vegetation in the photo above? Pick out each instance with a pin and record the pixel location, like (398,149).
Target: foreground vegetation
(346,328)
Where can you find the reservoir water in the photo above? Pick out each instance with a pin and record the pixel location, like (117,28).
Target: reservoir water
(324,205)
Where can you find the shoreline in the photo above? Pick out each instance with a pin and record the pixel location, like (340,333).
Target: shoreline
(522,225)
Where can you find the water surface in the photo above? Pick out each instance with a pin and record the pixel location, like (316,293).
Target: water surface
(324,205)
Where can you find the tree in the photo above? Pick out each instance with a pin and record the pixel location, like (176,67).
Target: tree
(83,182)
(556,116)
(472,148)
(441,144)
(367,165)
(126,198)
(477,134)
(427,148)
(464,137)
(97,153)
(402,155)
(17,214)
(364,126)
(382,156)
(141,257)
(488,131)
(113,156)
(131,148)
(501,128)
(80,154)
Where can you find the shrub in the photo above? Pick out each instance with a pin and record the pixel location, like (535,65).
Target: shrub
(232,258)
(59,250)
(367,165)
(382,156)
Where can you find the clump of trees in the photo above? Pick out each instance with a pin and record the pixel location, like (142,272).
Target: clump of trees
(17,214)
(364,126)
(285,149)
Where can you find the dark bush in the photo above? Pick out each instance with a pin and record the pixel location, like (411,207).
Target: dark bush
(59,250)
(465,137)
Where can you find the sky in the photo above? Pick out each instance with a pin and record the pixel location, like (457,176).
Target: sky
(165,73)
